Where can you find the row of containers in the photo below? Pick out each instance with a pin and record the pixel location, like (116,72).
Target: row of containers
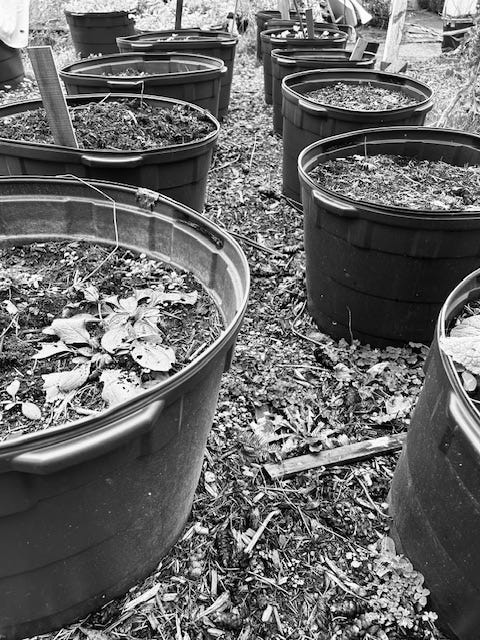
(388,276)
(379,273)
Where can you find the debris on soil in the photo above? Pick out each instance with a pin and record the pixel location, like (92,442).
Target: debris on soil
(125,125)
(83,327)
(402,181)
(362,96)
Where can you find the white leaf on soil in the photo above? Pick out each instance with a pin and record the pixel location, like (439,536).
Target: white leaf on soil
(90,292)
(118,386)
(468,327)
(469,381)
(12,310)
(465,351)
(398,406)
(72,330)
(155,357)
(31,411)
(50,349)
(145,327)
(116,338)
(342,373)
(129,304)
(13,388)
(183,297)
(60,383)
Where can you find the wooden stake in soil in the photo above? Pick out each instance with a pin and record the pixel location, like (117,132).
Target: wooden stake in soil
(359,49)
(309,21)
(284,8)
(178,14)
(394,32)
(52,96)
(340,455)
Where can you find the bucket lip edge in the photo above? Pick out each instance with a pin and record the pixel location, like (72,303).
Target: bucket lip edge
(413,82)
(211,137)
(416,214)
(72,429)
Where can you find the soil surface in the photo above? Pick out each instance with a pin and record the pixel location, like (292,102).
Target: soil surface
(80,324)
(364,96)
(402,181)
(124,125)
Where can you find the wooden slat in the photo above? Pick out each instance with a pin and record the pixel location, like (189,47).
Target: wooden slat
(395,30)
(359,49)
(53,97)
(284,8)
(340,455)
(309,21)
(394,67)
(178,14)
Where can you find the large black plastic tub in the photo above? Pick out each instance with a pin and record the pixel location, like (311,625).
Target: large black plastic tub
(285,62)
(96,33)
(88,509)
(179,171)
(305,120)
(435,493)
(262,19)
(184,76)
(11,66)
(381,273)
(327,36)
(215,44)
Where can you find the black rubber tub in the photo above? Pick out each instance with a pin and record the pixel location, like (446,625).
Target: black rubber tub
(288,61)
(327,36)
(266,16)
(179,171)
(382,273)
(435,496)
(11,66)
(306,121)
(96,33)
(88,509)
(215,44)
(185,76)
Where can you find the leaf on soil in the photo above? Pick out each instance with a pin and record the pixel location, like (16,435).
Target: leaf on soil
(469,381)
(90,292)
(72,330)
(58,384)
(146,327)
(465,351)
(31,411)
(342,373)
(12,310)
(95,634)
(50,349)
(118,386)
(117,338)
(155,357)
(183,297)
(468,327)
(13,388)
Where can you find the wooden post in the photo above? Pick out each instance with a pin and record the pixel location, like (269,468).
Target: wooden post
(53,97)
(284,8)
(178,14)
(359,49)
(394,32)
(309,21)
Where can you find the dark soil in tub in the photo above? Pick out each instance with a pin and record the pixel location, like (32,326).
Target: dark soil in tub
(402,181)
(83,327)
(119,125)
(299,35)
(363,97)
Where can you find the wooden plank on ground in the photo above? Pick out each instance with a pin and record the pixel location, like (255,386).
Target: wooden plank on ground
(53,97)
(178,14)
(340,455)
(359,49)
(395,30)
(284,8)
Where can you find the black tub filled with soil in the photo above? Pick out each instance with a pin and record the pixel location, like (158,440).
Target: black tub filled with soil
(157,143)
(189,77)
(391,224)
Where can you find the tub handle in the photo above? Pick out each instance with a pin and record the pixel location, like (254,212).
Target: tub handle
(143,46)
(287,62)
(63,455)
(314,109)
(226,43)
(223,70)
(124,84)
(464,422)
(335,206)
(111,161)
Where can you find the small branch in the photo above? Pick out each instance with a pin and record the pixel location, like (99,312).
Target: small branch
(251,545)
